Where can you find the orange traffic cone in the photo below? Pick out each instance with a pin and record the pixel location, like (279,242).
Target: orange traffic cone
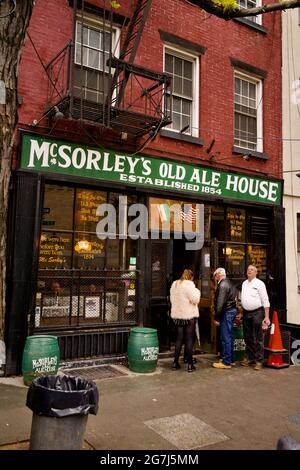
(275,346)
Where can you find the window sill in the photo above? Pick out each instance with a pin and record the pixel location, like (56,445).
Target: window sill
(183,137)
(252,25)
(250,153)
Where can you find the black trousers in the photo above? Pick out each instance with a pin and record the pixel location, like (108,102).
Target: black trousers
(253,334)
(185,334)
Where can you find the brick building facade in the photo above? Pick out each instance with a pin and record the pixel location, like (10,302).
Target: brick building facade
(200,101)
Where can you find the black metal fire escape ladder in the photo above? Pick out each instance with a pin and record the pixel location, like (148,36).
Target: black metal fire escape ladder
(129,49)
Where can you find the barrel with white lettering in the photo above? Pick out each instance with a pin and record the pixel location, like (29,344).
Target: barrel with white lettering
(239,346)
(40,357)
(142,350)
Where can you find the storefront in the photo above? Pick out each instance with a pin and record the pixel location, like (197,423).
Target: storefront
(95,245)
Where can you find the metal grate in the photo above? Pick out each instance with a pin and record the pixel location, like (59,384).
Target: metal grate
(92,344)
(90,298)
(95,373)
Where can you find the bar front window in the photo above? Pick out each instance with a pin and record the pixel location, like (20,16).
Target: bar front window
(85,276)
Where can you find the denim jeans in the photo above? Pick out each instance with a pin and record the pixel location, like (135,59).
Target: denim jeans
(226,335)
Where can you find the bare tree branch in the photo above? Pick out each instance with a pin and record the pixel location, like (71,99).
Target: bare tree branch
(223,12)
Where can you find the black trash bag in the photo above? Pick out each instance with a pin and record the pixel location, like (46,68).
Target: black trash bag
(60,396)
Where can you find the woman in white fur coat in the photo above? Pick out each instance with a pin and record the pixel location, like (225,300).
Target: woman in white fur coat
(184,297)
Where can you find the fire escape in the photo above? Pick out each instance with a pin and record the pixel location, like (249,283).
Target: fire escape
(125,96)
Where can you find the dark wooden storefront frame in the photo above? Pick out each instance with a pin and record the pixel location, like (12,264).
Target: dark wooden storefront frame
(25,213)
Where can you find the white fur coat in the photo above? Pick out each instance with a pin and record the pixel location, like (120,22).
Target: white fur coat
(184,298)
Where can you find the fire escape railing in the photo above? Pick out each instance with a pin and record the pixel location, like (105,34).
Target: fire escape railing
(136,98)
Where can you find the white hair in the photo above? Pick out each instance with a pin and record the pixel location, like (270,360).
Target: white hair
(220,271)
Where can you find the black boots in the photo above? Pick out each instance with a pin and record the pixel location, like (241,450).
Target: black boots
(186,361)
(176,365)
(191,368)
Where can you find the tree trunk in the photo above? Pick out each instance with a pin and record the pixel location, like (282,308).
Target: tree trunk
(14,20)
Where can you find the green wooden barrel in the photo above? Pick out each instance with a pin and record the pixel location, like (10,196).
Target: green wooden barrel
(40,357)
(142,350)
(239,347)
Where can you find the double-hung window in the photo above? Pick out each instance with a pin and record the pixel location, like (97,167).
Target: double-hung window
(248,112)
(93,43)
(184,69)
(251,4)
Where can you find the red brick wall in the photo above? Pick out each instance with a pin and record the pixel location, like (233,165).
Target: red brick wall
(51,29)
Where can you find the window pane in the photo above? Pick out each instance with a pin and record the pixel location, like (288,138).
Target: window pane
(177,105)
(121,205)
(245,88)
(58,207)
(176,121)
(236,225)
(218,222)
(168,103)
(169,63)
(81,53)
(186,121)
(245,101)
(87,202)
(85,36)
(89,252)
(257,255)
(234,259)
(186,107)
(94,59)
(252,90)
(188,88)
(178,66)
(107,41)
(91,95)
(84,56)
(252,127)
(92,79)
(94,39)
(177,85)
(188,69)
(237,86)
(55,250)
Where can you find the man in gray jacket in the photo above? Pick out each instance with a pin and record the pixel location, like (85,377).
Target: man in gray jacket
(225,313)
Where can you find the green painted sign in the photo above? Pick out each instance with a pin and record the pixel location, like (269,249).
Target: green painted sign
(68,158)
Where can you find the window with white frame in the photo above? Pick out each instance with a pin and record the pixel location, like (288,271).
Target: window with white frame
(248,112)
(251,4)
(184,69)
(93,44)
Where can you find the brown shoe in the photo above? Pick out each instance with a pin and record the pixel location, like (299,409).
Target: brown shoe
(247,363)
(258,366)
(220,365)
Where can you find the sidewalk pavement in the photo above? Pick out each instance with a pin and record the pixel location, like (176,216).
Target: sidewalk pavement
(237,409)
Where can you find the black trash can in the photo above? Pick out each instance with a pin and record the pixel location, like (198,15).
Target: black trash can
(287,442)
(60,406)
